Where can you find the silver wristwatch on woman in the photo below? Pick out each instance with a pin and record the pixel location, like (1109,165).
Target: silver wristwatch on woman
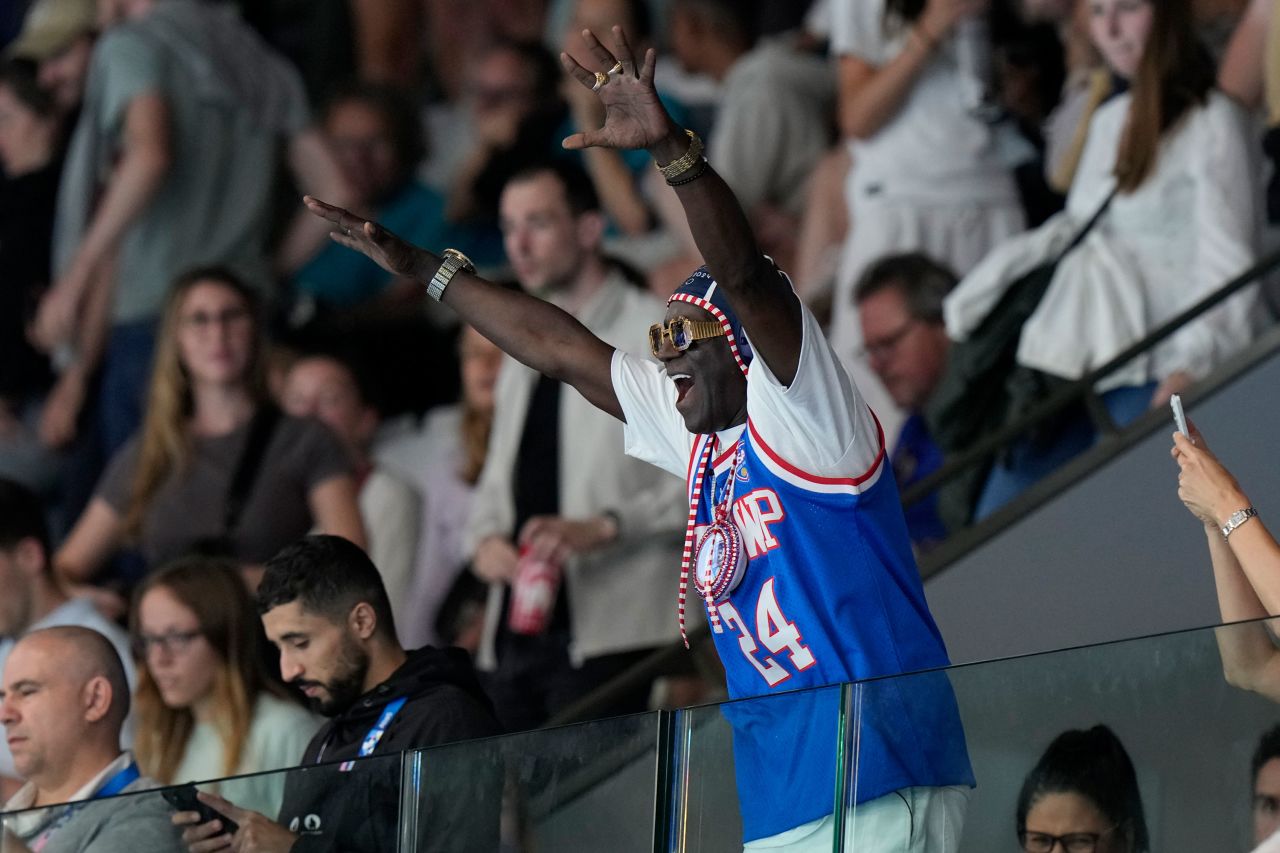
(1236,519)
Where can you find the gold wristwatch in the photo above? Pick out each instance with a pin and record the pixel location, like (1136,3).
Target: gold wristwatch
(453,260)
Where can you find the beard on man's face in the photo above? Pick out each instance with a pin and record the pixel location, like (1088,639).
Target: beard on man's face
(346,684)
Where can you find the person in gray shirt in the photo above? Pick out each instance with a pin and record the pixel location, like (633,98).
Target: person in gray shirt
(63,701)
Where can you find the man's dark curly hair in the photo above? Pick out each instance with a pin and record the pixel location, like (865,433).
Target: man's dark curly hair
(329,576)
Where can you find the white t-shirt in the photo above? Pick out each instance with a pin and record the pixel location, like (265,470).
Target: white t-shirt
(78,612)
(819,423)
(932,147)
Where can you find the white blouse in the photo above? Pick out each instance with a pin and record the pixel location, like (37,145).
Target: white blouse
(1187,230)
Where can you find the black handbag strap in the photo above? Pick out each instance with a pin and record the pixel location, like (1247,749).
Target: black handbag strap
(1088,226)
(261,428)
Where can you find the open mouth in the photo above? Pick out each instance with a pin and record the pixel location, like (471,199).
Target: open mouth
(683,383)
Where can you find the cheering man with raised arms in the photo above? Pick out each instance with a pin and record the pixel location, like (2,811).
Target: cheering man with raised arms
(796,543)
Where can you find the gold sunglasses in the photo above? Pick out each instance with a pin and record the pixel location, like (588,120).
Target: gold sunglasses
(682,332)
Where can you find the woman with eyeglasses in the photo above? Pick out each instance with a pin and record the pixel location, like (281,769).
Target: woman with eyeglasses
(215,468)
(1082,797)
(205,708)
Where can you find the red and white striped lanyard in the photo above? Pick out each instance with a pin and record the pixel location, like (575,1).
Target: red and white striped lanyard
(720,514)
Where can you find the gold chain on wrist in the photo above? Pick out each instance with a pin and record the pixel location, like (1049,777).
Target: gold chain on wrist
(676,168)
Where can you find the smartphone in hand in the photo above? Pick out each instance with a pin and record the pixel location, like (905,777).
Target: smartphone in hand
(1179,417)
(183,799)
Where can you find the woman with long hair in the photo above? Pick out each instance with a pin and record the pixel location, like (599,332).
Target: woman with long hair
(1082,795)
(1167,161)
(214,468)
(205,708)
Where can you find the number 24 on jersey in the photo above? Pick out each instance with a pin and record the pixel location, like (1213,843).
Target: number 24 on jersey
(775,633)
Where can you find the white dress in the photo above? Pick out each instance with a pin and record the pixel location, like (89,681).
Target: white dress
(932,179)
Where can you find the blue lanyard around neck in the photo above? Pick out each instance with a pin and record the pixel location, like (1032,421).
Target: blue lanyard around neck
(119,782)
(370,742)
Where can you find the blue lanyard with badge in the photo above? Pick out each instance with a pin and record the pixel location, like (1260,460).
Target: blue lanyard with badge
(370,742)
(122,779)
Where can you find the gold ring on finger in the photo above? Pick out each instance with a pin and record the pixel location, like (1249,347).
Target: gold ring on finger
(617,68)
(601,79)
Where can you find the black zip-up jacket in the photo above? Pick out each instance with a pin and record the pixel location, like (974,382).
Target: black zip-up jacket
(358,810)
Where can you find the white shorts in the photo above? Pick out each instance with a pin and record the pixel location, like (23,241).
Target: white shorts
(912,820)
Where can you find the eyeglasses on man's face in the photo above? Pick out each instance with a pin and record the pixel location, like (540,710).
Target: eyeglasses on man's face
(886,345)
(1072,842)
(682,332)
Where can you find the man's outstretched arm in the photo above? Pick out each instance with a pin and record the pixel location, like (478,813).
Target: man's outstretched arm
(530,330)
(635,118)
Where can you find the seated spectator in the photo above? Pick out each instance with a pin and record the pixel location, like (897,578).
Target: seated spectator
(63,702)
(929,174)
(30,162)
(33,599)
(324,607)
(1170,158)
(1082,795)
(206,708)
(1264,775)
(900,307)
(328,389)
(378,141)
(443,460)
(214,468)
(776,114)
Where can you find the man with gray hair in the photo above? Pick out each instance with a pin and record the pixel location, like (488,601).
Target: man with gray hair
(905,340)
(63,700)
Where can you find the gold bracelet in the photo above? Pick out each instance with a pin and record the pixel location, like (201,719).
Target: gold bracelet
(676,168)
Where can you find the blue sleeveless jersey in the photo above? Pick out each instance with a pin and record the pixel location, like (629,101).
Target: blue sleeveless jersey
(831,594)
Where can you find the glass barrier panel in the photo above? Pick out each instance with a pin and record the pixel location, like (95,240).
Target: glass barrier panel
(349,806)
(759,772)
(1164,702)
(593,786)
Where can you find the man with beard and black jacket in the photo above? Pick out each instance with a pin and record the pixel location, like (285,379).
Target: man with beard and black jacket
(324,607)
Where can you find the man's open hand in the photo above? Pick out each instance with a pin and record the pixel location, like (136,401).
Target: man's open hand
(369,238)
(633,115)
